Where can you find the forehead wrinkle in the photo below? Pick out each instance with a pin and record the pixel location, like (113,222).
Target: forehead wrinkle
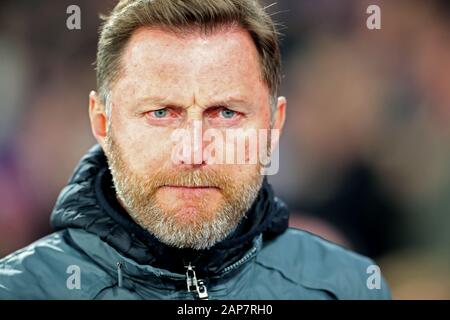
(205,81)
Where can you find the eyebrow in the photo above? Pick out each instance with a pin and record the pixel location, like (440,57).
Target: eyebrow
(163,101)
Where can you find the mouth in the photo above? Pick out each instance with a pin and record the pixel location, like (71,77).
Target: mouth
(189,187)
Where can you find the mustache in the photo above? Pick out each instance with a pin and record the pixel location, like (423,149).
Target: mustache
(189,178)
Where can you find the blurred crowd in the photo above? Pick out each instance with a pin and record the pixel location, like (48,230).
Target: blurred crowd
(364,158)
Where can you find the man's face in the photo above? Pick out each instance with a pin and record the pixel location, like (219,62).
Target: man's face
(170,82)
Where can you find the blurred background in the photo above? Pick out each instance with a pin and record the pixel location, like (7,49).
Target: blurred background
(364,158)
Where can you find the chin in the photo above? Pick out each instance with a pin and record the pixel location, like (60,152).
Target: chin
(189,213)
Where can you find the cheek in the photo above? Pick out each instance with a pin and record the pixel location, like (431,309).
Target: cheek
(240,174)
(257,143)
(144,149)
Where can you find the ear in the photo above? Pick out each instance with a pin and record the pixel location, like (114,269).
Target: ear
(98,118)
(278,120)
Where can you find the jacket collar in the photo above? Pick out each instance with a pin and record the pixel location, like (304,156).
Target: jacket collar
(88,202)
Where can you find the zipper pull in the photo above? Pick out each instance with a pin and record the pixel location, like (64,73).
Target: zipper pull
(202,291)
(191,278)
(195,285)
(119,274)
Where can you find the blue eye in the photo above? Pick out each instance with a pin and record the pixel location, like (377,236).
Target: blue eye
(227,113)
(161,113)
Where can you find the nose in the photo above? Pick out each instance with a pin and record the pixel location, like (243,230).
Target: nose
(189,146)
